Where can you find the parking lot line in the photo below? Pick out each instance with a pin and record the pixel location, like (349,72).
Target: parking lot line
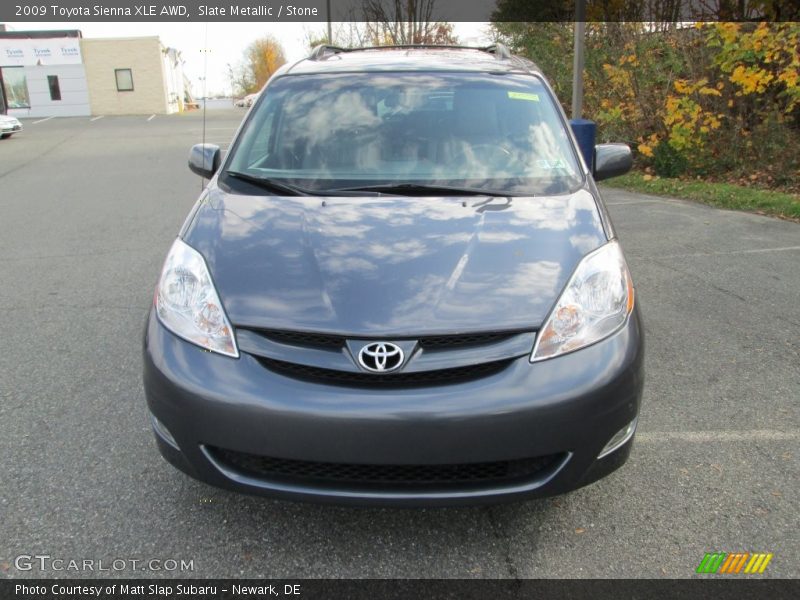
(755,435)
(96,118)
(42,120)
(725,253)
(150,118)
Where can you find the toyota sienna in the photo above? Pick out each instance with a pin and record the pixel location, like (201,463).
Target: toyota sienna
(400,286)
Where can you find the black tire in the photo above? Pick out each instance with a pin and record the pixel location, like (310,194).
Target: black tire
(5,135)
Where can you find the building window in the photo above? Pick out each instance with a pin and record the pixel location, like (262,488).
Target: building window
(15,87)
(124,80)
(55,89)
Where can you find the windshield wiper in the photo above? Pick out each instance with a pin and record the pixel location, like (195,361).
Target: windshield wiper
(271,185)
(421,189)
(287,189)
(402,189)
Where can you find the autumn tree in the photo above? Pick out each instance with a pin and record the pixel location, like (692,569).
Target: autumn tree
(262,58)
(719,100)
(659,14)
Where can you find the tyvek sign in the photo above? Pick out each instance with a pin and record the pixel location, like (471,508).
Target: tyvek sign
(47,51)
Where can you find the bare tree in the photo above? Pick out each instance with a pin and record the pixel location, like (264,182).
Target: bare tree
(405,22)
(347,34)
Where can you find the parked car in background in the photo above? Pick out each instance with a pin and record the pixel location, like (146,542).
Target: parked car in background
(401,286)
(9,126)
(247,101)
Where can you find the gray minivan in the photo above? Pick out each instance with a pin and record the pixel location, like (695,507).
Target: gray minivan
(400,287)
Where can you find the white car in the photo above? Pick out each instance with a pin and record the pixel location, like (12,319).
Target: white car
(9,126)
(247,100)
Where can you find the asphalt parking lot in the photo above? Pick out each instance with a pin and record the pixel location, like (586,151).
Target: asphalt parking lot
(88,209)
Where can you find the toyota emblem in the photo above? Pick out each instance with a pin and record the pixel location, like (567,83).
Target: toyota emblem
(380,357)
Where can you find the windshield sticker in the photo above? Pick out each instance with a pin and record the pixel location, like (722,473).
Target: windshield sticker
(551,164)
(523,96)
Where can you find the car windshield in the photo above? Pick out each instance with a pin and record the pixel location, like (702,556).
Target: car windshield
(500,133)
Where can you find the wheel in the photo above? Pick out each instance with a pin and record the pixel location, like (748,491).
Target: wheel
(5,135)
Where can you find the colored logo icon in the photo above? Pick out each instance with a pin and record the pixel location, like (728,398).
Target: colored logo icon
(734,563)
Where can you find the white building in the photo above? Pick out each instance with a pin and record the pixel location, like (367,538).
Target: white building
(42,74)
(62,74)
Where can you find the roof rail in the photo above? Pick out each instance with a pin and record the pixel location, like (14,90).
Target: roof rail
(320,51)
(500,51)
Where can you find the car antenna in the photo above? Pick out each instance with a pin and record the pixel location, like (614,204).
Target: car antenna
(205,99)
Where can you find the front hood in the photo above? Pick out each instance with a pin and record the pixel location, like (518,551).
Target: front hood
(402,266)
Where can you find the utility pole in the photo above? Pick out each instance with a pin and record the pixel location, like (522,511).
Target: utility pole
(578,62)
(330,29)
(585,130)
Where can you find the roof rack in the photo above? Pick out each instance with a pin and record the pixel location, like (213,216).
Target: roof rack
(500,51)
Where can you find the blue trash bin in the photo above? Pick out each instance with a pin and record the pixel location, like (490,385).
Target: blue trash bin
(585,133)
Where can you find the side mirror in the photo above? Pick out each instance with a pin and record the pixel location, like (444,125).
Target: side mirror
(611,160)
(204,159)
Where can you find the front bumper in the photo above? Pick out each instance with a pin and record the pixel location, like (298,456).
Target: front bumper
(567,408)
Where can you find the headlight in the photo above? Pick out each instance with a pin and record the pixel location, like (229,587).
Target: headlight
(188,305)
(595,303)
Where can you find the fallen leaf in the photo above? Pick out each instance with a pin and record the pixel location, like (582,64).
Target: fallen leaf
(580,530)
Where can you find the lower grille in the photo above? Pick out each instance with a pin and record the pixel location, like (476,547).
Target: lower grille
(390,380)
(405,477)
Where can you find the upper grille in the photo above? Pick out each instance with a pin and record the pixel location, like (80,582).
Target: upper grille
(386,476)
(389,380)
(300,338)
(434,342)
(437,342)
